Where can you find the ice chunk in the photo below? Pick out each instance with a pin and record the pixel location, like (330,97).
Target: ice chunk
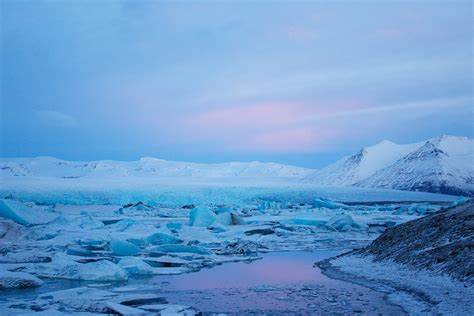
(128,225)
(229,218)
(309,222)
(223,209)
(63,267)
(181,248)
(87,221)
(224,218)
(135,266)
(201,217)
(79,251)
(123,248)
(320,203)
(165,261)
(10,280)
(24,215)
(217,228)
(162,239)
(260,231)
(119,309)
(174,225)
(240,247)
(341,222)
(11,231)
(460,200)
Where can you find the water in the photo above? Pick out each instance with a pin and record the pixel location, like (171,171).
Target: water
(281,283)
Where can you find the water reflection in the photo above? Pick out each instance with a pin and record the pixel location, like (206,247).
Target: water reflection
(277,268)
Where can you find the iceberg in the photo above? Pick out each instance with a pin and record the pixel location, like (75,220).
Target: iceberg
(324,203)
(20,213)
(174,225)
(63,267)
(240,247)
(181,248)
(162,239)
(123,248)
(135,266)
(341,222)
(201,217)
(229,218)
(309,222)
(10,280)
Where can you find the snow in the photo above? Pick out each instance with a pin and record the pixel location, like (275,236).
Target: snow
(419,292)
(145,167)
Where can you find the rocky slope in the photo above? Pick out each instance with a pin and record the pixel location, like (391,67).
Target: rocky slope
(425,264)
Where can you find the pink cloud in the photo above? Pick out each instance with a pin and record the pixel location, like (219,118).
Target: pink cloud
(251,116)
(267,127)
(296,139)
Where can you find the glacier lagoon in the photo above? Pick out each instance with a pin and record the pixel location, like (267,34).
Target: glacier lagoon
(125,249)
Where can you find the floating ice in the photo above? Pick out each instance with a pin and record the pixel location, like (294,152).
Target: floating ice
(320,203)
(223,209)
(10,280)
(309,222)
(135,266)
(120,309)
(79,251)
(341,222)
(174,225)
(229,218)
(460,200)
(201,217)
(10,230)
(24,215)
(181,248)
(240,247)
(64,267)
(123,248)
(162,239)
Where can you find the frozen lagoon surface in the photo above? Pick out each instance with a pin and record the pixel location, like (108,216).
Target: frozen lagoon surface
(120,248)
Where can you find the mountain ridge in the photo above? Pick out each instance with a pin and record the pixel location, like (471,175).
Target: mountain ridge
(441,164)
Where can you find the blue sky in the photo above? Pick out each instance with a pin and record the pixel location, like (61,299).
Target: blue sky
(293,82)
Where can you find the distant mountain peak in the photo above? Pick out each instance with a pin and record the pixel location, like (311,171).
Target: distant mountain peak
(441,164)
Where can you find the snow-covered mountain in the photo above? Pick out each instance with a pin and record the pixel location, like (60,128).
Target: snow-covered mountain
(145,167)
(443,165)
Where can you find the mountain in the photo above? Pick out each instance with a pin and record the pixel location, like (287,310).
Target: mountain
(145,167)
(441,165)
(352,169)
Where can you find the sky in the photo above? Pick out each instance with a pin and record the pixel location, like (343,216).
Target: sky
(300,82)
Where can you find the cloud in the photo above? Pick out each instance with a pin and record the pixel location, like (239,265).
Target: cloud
(55,118)
(295,139)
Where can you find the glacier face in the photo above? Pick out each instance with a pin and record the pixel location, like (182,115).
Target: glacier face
(442,165)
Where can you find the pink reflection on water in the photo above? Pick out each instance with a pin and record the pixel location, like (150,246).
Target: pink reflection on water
(275,269)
